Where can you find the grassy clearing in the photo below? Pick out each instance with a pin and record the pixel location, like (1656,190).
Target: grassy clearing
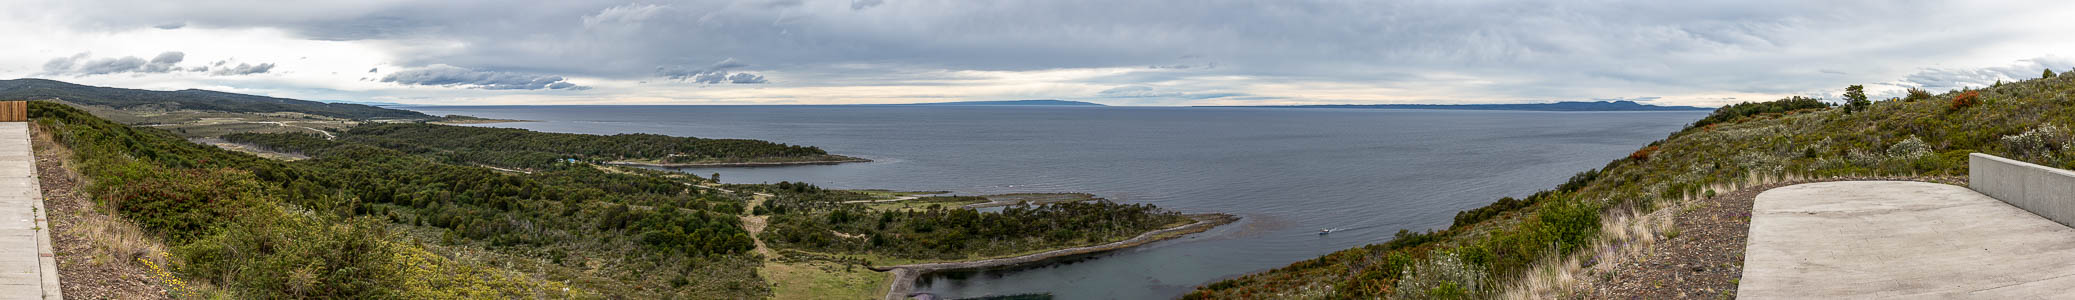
(816,279)
(1036,198)
(924,203)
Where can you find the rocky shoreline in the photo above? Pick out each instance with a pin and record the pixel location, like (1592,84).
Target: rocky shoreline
(904,275)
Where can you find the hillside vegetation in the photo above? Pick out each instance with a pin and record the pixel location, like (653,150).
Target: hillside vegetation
(1491,250)
(520,148)
(190,99)
(362,222)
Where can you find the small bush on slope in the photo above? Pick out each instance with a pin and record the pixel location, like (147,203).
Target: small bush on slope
(1796,136)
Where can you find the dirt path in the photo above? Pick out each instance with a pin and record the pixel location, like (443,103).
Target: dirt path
(904,275)
(327,134)
(755,224)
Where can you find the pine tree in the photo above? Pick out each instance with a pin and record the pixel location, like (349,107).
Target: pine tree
(1855,98)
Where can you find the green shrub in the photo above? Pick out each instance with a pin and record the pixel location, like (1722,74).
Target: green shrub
(1915,95)
(1747,109)
(2044,143)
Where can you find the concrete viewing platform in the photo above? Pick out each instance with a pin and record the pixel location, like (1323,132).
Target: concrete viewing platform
(1896,239)
(27,269)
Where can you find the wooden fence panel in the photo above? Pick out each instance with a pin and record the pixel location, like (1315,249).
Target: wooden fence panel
(14,111)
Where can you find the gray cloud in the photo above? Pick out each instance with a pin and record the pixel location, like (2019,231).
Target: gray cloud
(62,64)
(452,76)
(170,26)
(1937,80)
(783,3)
(111,65)
(628,14)
(745,78)
(863,4)
(242,69)
(79,65)
(711,74)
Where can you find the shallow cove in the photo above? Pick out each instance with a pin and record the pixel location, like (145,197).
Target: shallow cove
(1286,172)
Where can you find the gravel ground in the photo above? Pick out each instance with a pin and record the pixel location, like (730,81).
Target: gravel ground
(1704,259)
(81,273)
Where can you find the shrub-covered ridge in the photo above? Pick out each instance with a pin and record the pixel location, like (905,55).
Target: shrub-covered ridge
(363,222)
(1489,249)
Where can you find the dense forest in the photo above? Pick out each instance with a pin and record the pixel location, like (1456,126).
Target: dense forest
(810,218)
(120,98)
(1489,249)
(372,222)
(520,148)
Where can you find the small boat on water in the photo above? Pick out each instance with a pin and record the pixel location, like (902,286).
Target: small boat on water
(1323,231)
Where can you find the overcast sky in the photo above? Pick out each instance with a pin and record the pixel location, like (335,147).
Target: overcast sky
(1119,52)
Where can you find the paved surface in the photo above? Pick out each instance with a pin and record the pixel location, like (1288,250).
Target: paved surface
(27,271)
(1895,239)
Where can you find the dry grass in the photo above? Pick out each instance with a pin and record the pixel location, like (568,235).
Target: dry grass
(1624,234)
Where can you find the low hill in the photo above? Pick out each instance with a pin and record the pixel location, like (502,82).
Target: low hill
(190,99)
(1007,103)
(527,149)
(1496,250)
(1559,106)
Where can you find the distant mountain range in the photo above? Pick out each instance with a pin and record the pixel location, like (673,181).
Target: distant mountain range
(1006,103)
(1559,106)
(121,98)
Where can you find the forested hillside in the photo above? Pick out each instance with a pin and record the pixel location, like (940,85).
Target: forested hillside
(520,148)
(1491,250)
(121,98)
(361,222)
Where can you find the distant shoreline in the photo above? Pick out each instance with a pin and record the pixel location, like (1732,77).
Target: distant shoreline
(465,120)
(1578,106)
(482,121)
(846,159)
(904,275)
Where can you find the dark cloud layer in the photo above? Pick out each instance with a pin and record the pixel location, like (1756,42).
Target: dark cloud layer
(243,69)
(1493,49)
(863,4)
(166,62)
(79,64)
(711,74)
(445,75)
(1939,80)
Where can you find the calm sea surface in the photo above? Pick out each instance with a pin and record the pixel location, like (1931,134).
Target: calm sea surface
(1287,172)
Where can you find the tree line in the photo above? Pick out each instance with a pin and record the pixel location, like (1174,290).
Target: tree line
(520,148)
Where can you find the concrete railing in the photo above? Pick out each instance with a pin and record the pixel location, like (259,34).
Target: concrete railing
(2044,191)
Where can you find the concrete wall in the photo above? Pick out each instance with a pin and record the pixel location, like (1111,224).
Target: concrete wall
(2047,192)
